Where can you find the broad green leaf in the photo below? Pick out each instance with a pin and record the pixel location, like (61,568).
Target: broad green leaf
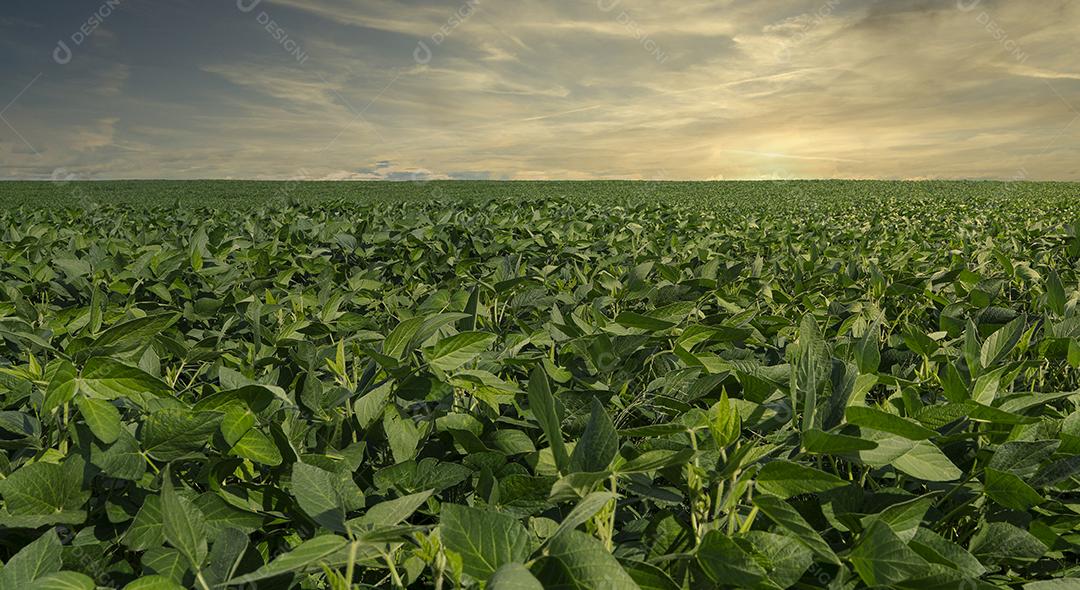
(999,344)
(882,558)
(63,384)
(173,433)
(995,542)
(184,525)
(585,509)
(873,418)
(485,540)
(654,460)
(810,370)
(108,379)
(542,404)
(789,519)
(258,447)
(818,441)
(725,562)
(642,322)
(903,518)
(136,332)
(45,489)
(66,580)
(154,582)
(785,479)
(399,341)
(320,494)
(597,445)
(450,353)
(148,528)
(226,554)
(925,461)
(392,512)
(102,417)
(784,558)
(1010,491)
(724,422)
(513,576)
(936,549)
(576,561)
(221,515)
(33,562)
(306,556)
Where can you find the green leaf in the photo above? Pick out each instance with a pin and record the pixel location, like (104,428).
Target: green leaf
(725,562)
(221,515)
(925,461)
(136,332)
(45,489)
(173,433)
(237,421)
(811,370)
(102,417)
(598,444)
(873,418)
(450,353)
(484,539)
(33,562)
(306,556)
(153,582)
(64,581)
(148,528)
(995,542)
(542,404)
(882,558)
(785,479)
(106,378)
(1010,491)
(820,442)
(513,576)
(784,558)
(184,524)
(585,509)
(630,319)
(1001,342)
(903,518)
(258,447)
(392,512)
(936,549)
(654,460)
(123,459)
(724,422)
(320,494)
(577,561)
(867,354)
(789,519)
(63,383)
(226,553)
(1057,584)
(399,341)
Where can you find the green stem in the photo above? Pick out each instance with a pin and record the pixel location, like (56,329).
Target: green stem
(351,567)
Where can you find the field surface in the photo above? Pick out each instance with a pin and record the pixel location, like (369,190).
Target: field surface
(539,385)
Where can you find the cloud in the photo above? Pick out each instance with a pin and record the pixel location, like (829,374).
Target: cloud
(569,89)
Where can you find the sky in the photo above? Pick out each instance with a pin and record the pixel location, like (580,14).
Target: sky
(540,89)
